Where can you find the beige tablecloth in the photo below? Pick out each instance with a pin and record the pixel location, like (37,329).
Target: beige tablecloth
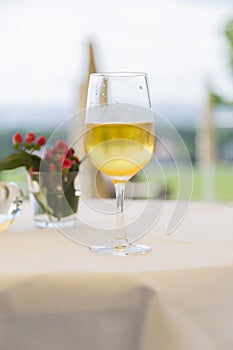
(56,295)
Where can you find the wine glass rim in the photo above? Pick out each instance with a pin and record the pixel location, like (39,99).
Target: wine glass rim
(119,74)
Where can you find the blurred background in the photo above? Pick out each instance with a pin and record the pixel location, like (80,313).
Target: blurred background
(186,47)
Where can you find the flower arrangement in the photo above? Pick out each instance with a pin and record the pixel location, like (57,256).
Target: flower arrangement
(54,174)
(58,158)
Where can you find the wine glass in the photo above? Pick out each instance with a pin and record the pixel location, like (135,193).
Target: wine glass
(119,140)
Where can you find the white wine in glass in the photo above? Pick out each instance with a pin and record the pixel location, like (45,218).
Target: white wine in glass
(119,140)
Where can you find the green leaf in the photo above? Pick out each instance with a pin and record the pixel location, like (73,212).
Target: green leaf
(22,158)
(12,161)
(30,160)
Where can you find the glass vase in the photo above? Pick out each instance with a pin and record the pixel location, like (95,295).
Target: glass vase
(54,197)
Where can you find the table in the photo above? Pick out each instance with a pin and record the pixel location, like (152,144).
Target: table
(56,295)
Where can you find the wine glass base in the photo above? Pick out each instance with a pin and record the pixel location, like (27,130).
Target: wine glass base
(132,249)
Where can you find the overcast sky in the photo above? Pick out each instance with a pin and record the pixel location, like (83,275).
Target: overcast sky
(180,44)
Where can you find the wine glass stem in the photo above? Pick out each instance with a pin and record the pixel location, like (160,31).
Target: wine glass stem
(120,236)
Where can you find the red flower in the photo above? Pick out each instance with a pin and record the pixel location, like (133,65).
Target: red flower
(30,137)
(17,138)
(60,144)
(48,154)
(32,170)
(75,160)
(41,140)
(54,150)
(66,164)
(52,167)
(70,153)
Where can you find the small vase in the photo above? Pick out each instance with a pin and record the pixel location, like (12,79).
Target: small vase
(54,197)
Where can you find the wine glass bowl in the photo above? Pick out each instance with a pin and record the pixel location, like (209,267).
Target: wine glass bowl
(120,150)
(119,140)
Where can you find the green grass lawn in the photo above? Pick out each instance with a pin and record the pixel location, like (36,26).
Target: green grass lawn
(211,185)
(224,183)
(215,185)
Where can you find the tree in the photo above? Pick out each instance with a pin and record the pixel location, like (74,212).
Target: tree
(215,98)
